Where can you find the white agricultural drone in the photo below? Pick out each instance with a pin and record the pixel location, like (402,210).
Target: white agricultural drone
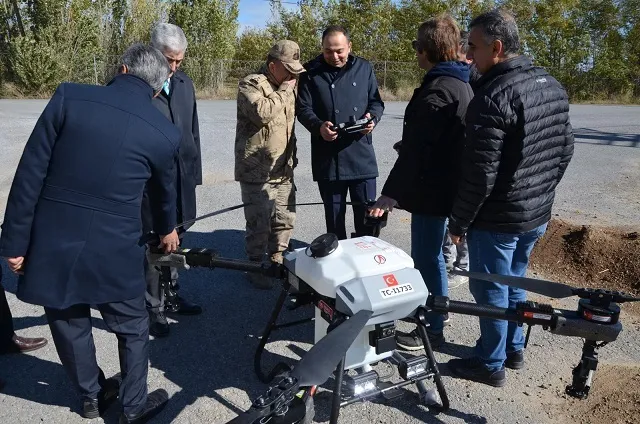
(360,287)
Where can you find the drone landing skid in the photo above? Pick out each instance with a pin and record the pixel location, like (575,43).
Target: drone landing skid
(388,391)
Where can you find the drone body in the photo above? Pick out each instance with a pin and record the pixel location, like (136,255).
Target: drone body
(363,273)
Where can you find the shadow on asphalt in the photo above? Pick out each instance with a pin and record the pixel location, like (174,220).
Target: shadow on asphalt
(202,355)
(213,351)
(589,136)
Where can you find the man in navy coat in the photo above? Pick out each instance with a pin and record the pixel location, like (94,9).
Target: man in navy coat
(72,225)
(336,86)
(177,101)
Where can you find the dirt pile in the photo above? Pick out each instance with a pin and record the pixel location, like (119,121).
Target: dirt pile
(616,400)
(586,256)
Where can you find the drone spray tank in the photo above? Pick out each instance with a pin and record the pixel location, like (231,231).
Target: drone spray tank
(363,273)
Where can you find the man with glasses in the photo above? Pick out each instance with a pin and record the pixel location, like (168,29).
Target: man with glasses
(177,101)
(265,155)
(424,179)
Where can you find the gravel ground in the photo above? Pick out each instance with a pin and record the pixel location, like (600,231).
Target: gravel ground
(206,363)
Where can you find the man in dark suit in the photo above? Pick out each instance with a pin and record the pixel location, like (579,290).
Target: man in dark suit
(72,225)
(337,86)
(177,101)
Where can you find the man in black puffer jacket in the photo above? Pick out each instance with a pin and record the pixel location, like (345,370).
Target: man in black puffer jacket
(424,178)
(519,143)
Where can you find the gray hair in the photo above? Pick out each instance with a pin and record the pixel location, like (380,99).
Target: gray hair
(148,63)
(168,37)
(499,25)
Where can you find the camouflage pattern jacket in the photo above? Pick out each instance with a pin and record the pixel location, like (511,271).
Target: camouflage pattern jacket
(265,148)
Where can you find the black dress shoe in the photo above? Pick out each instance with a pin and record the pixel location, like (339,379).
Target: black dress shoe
(156,400)
(90,409)
(94,408)
(184,307)
(23,344)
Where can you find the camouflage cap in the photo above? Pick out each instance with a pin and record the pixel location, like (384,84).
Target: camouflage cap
(288,52)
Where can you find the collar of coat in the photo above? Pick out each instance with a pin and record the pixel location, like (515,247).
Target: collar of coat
(318,64)
(178,76)
(132,83)
(517,63)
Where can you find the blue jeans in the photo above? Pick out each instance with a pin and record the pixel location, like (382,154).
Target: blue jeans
(506,254)
(427,233)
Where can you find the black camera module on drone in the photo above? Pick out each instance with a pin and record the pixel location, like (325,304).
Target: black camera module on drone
(360,288)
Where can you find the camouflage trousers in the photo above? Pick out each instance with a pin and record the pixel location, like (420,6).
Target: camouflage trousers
(270,216)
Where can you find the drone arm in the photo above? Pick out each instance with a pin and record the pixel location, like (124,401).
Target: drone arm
(484,311)
(529,313)
(207,258)
(561,322)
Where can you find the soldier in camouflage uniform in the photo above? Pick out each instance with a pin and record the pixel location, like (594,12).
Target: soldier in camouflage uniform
(265,154)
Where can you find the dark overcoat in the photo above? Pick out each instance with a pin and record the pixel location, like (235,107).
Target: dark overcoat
(180,107)
(73,210)
(328,94)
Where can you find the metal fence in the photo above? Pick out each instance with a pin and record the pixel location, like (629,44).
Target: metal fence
(219,77)
(397,79)
(222,75)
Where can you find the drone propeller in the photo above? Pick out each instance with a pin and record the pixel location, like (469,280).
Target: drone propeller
(543,287)
(150,237)
(551,288)
(318,363)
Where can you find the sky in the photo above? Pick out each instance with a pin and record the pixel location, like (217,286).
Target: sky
(256,13)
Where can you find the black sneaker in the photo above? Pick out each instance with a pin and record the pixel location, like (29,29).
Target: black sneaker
(412,341)
(473,369)
(515,360)
(158,324)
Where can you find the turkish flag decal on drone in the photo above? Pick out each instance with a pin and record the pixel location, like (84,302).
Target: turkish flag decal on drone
(390,280)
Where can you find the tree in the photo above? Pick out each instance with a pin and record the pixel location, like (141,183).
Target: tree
(210,27)
(253,44)
(304,26)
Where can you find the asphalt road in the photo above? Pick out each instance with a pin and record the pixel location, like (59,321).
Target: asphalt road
(206,363)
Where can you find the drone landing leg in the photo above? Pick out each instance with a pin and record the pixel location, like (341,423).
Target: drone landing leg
(271,325)
(337,393)
(422,329)
(165,283)
(583,372)
(526,340)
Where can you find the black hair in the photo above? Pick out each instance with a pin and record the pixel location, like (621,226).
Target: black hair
(334,29)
